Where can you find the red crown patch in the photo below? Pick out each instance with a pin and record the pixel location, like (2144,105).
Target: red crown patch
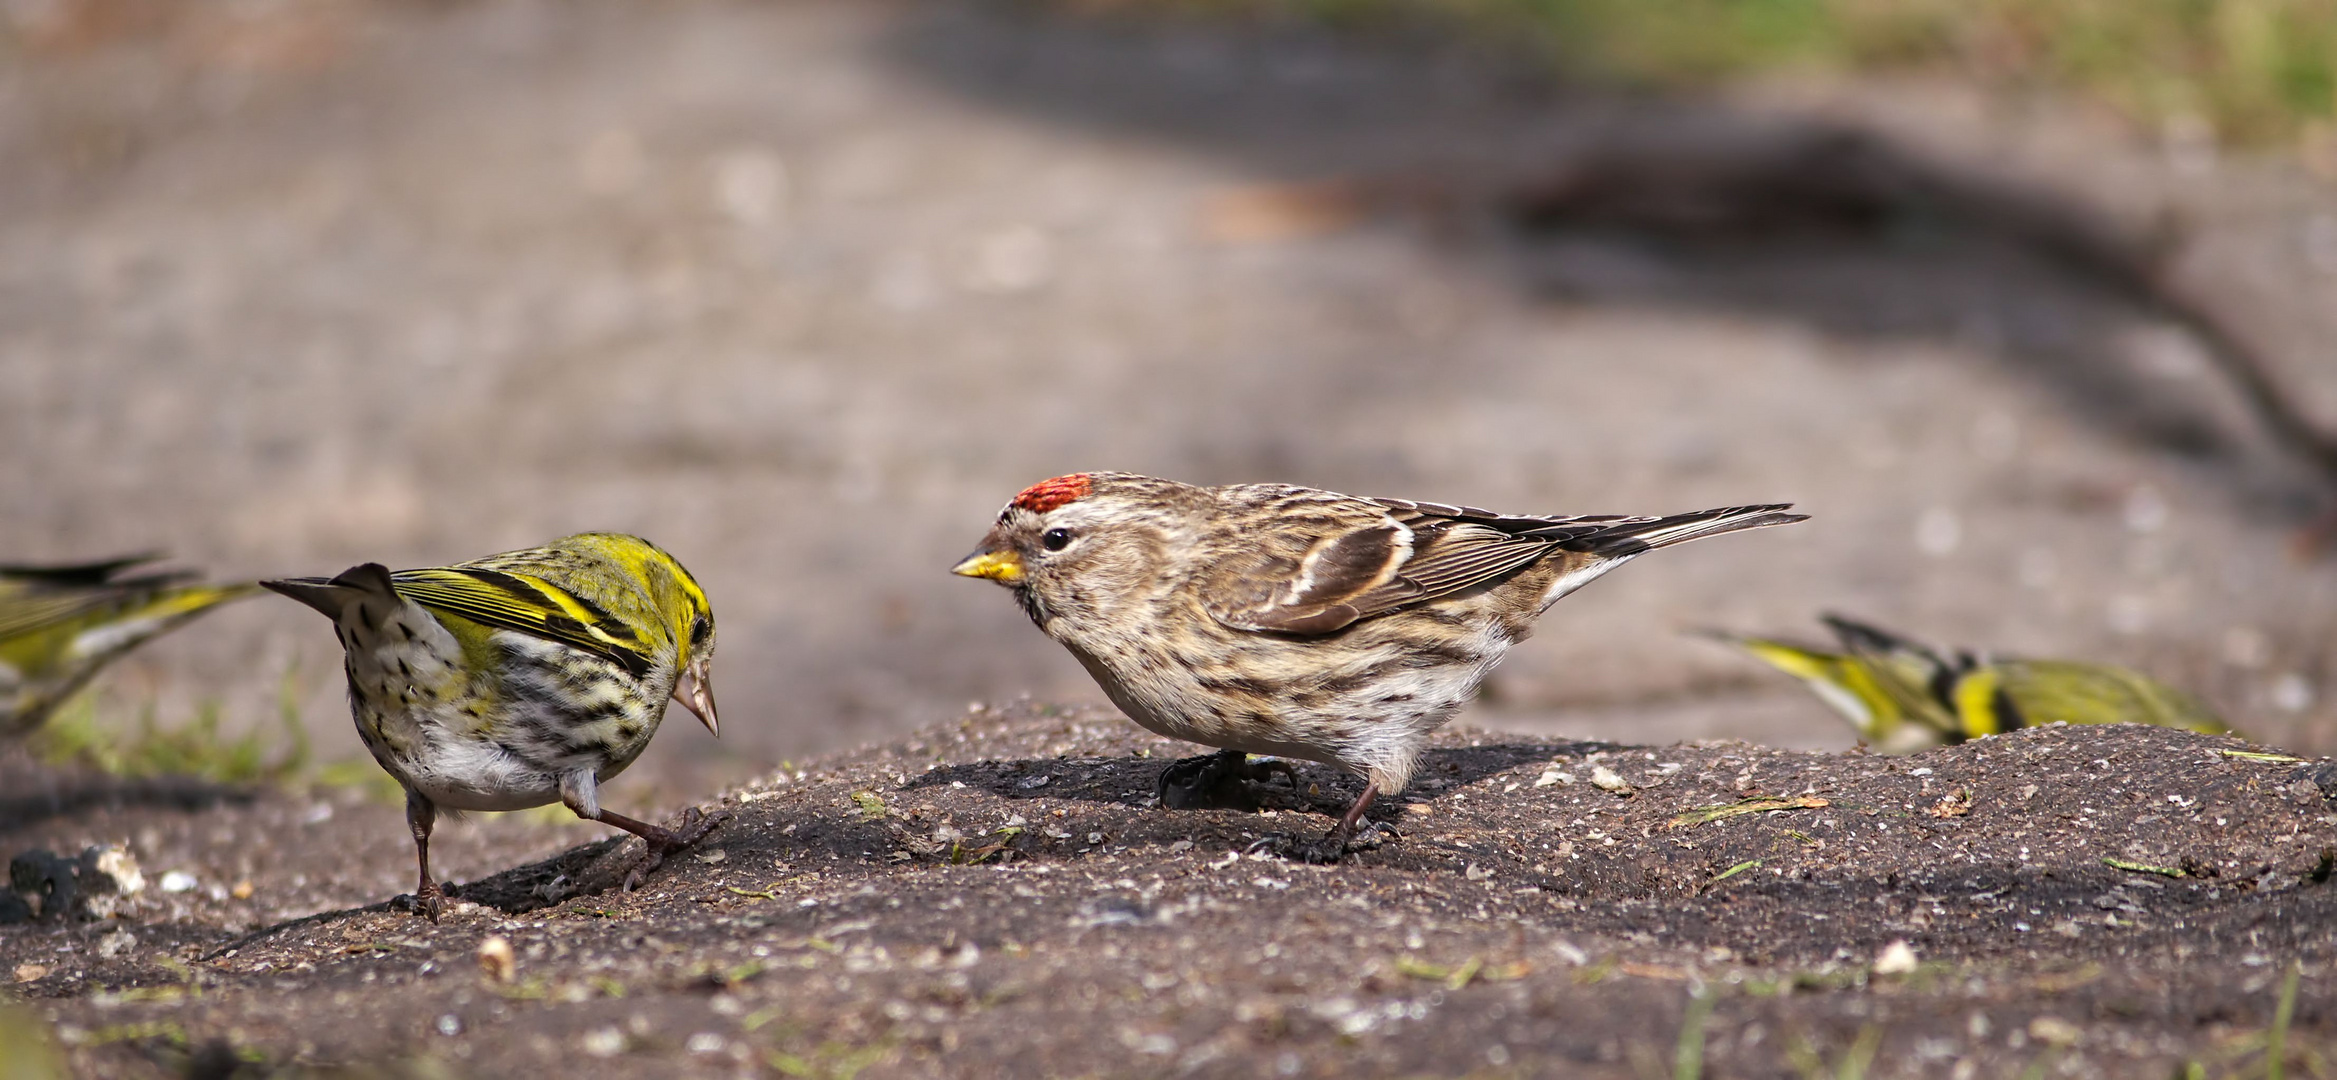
(1049,494)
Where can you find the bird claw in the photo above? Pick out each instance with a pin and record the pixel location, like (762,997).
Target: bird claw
(1218,781)
(430,902)
(694,826)
(1326,850)
(1322,851)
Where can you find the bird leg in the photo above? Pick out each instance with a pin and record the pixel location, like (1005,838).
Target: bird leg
(1216,781)
(421,815)
(661,841)
(1332,847)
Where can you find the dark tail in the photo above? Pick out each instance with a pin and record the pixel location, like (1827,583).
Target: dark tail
(96,574)
(1631,538)
(1861,637)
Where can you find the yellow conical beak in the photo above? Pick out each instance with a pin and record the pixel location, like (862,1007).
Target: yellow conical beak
(1003,567)
(696,693)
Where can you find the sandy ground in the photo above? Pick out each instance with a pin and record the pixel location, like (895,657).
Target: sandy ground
(805,291)
(996,896)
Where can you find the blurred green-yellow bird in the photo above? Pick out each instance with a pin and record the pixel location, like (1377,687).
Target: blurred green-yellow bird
(60,624)
(521,679)
(1903,696)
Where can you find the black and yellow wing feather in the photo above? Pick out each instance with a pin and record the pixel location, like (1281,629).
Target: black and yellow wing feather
(527,605)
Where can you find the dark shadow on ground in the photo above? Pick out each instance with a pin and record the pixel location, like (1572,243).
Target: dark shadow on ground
(1582,195)
(545,882)
(1132,781)
(34,797)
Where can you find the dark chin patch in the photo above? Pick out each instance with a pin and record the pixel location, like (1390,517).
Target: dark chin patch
(1031,604)
(1048,494)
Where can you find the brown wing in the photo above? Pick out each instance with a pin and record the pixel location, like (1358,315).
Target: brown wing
(1306,571)
(1325,560)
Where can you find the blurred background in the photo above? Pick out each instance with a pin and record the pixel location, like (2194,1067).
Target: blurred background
(805,291)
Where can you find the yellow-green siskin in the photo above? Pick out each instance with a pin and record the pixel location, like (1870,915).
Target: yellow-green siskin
(1903,696)
(521,679)
(1866,696)
(60,624)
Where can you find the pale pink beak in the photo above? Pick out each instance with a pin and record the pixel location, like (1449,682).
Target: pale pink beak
(696,694)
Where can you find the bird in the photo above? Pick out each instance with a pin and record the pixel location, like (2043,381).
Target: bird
(521,679)
(1291,621)
(1903,696)
(60,624)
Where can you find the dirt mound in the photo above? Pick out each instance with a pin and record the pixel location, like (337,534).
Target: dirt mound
(996,896)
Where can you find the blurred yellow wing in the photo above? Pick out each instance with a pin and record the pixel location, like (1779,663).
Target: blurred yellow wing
(2026,693)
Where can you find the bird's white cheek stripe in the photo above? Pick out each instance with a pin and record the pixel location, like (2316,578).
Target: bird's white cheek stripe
(1844,702)
(102,639)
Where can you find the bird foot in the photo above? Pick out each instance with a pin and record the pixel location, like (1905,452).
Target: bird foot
(428,902)
(1328,849)
(1218,781)
(662,842)
(1324,850)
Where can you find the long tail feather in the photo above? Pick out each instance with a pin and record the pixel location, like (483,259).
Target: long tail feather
(1631,539)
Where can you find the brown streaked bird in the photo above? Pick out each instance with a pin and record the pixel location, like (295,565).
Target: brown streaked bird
(1274,619)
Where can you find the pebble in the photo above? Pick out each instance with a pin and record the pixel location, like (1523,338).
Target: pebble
(2054,1030)
(116,943)
(116,870)
(496,959)
(603,1042)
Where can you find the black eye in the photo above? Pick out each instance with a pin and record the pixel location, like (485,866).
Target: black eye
(1056,539)
(701,628)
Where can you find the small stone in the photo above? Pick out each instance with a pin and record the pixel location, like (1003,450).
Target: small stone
(46,883)
(29,972)
(2054,1030)
(116,943)
(602,1042)
(1897,958)
(707,1042)
(496,959)
(243,890)
(1553,776)
(711,855)
(112,870)
(450,1025)
(1605,779)
(178,881)
(1476,872)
